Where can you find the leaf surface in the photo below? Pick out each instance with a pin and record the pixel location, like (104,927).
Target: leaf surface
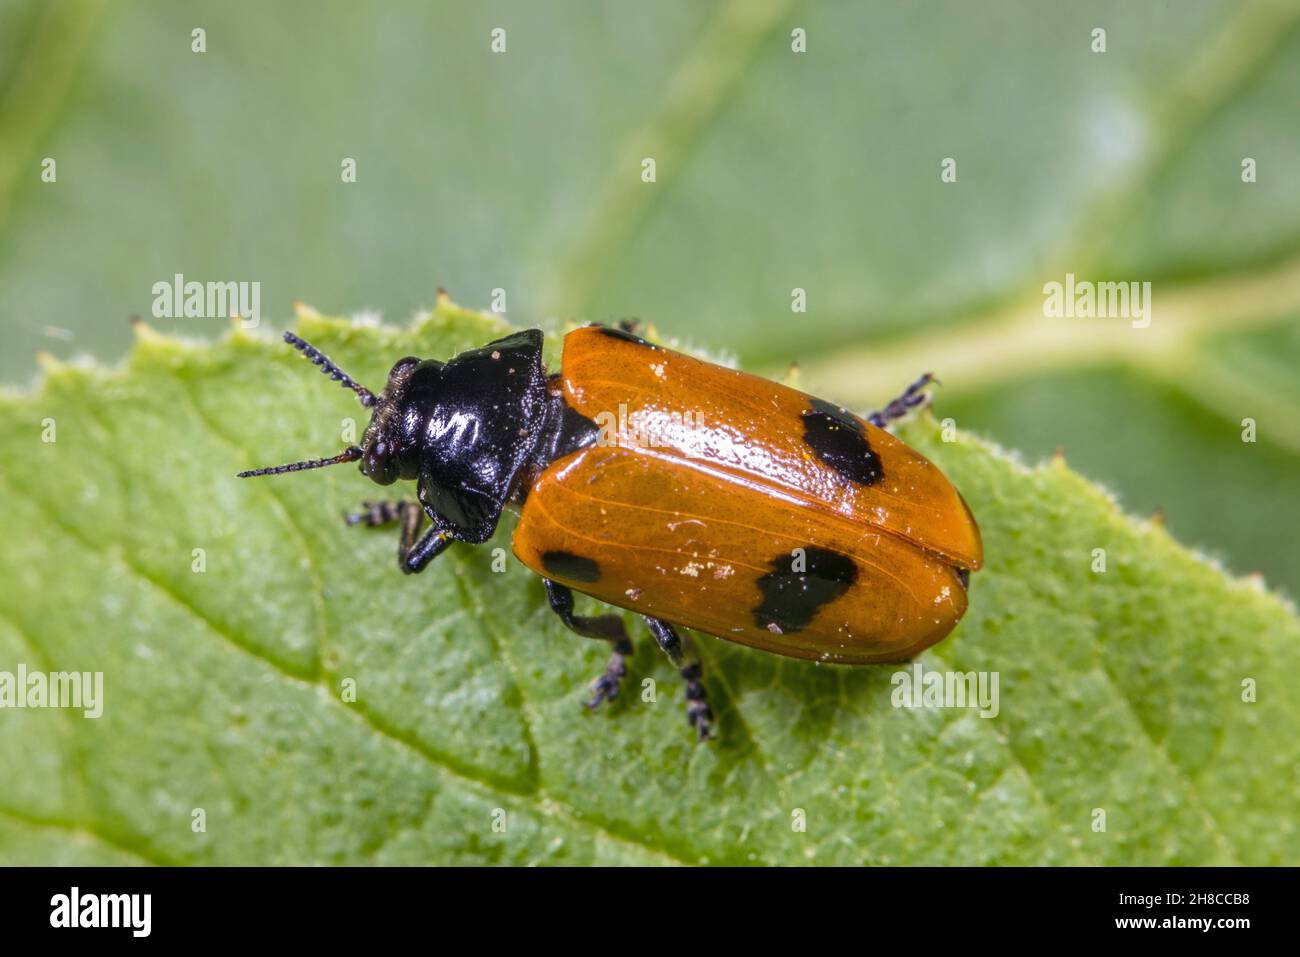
(1119,691)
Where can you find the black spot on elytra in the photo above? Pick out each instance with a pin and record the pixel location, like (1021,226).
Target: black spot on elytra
(626,336)
(573,567)
(963,576)
(839,440)
(792,598)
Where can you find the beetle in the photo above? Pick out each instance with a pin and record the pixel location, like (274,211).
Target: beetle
(692,494)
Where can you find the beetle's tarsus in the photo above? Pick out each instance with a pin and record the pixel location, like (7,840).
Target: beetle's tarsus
(913,397)
(698,712)
(700,717)
(375,514)
(605,688)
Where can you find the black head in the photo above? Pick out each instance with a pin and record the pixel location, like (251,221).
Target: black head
(389,450)
(464,429)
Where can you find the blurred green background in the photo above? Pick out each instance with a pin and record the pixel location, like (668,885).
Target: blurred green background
(775,170)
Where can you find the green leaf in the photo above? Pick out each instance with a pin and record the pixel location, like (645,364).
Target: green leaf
(1120,691)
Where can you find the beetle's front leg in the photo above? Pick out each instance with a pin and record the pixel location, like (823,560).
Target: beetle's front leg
(698,712)
(602,627)
(412,554)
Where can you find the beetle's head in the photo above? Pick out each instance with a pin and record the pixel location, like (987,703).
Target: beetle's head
(390,446)
(387,451)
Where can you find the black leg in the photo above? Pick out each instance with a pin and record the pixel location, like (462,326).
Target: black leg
(412,555)
(603,627)
(698,712)
(914,395)
(414,559)
(378,514)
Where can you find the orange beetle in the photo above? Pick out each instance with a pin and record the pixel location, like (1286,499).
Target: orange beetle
(692,494)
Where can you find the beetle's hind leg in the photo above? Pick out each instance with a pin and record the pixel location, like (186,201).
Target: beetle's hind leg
(687,664)
(413,553)
(913,397)
(602,627)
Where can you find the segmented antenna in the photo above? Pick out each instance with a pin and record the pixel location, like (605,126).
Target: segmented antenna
(329,368)
(350,454)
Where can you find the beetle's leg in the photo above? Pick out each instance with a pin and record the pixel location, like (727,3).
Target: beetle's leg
(631,326)
(378,514)
(913,396)
(412,554)
(603,627)
(413,558)
(698,712)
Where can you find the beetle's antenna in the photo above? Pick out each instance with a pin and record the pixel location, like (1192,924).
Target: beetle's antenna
(330,369)
(350,454)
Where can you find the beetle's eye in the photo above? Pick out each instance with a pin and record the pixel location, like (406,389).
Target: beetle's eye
(379,465)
